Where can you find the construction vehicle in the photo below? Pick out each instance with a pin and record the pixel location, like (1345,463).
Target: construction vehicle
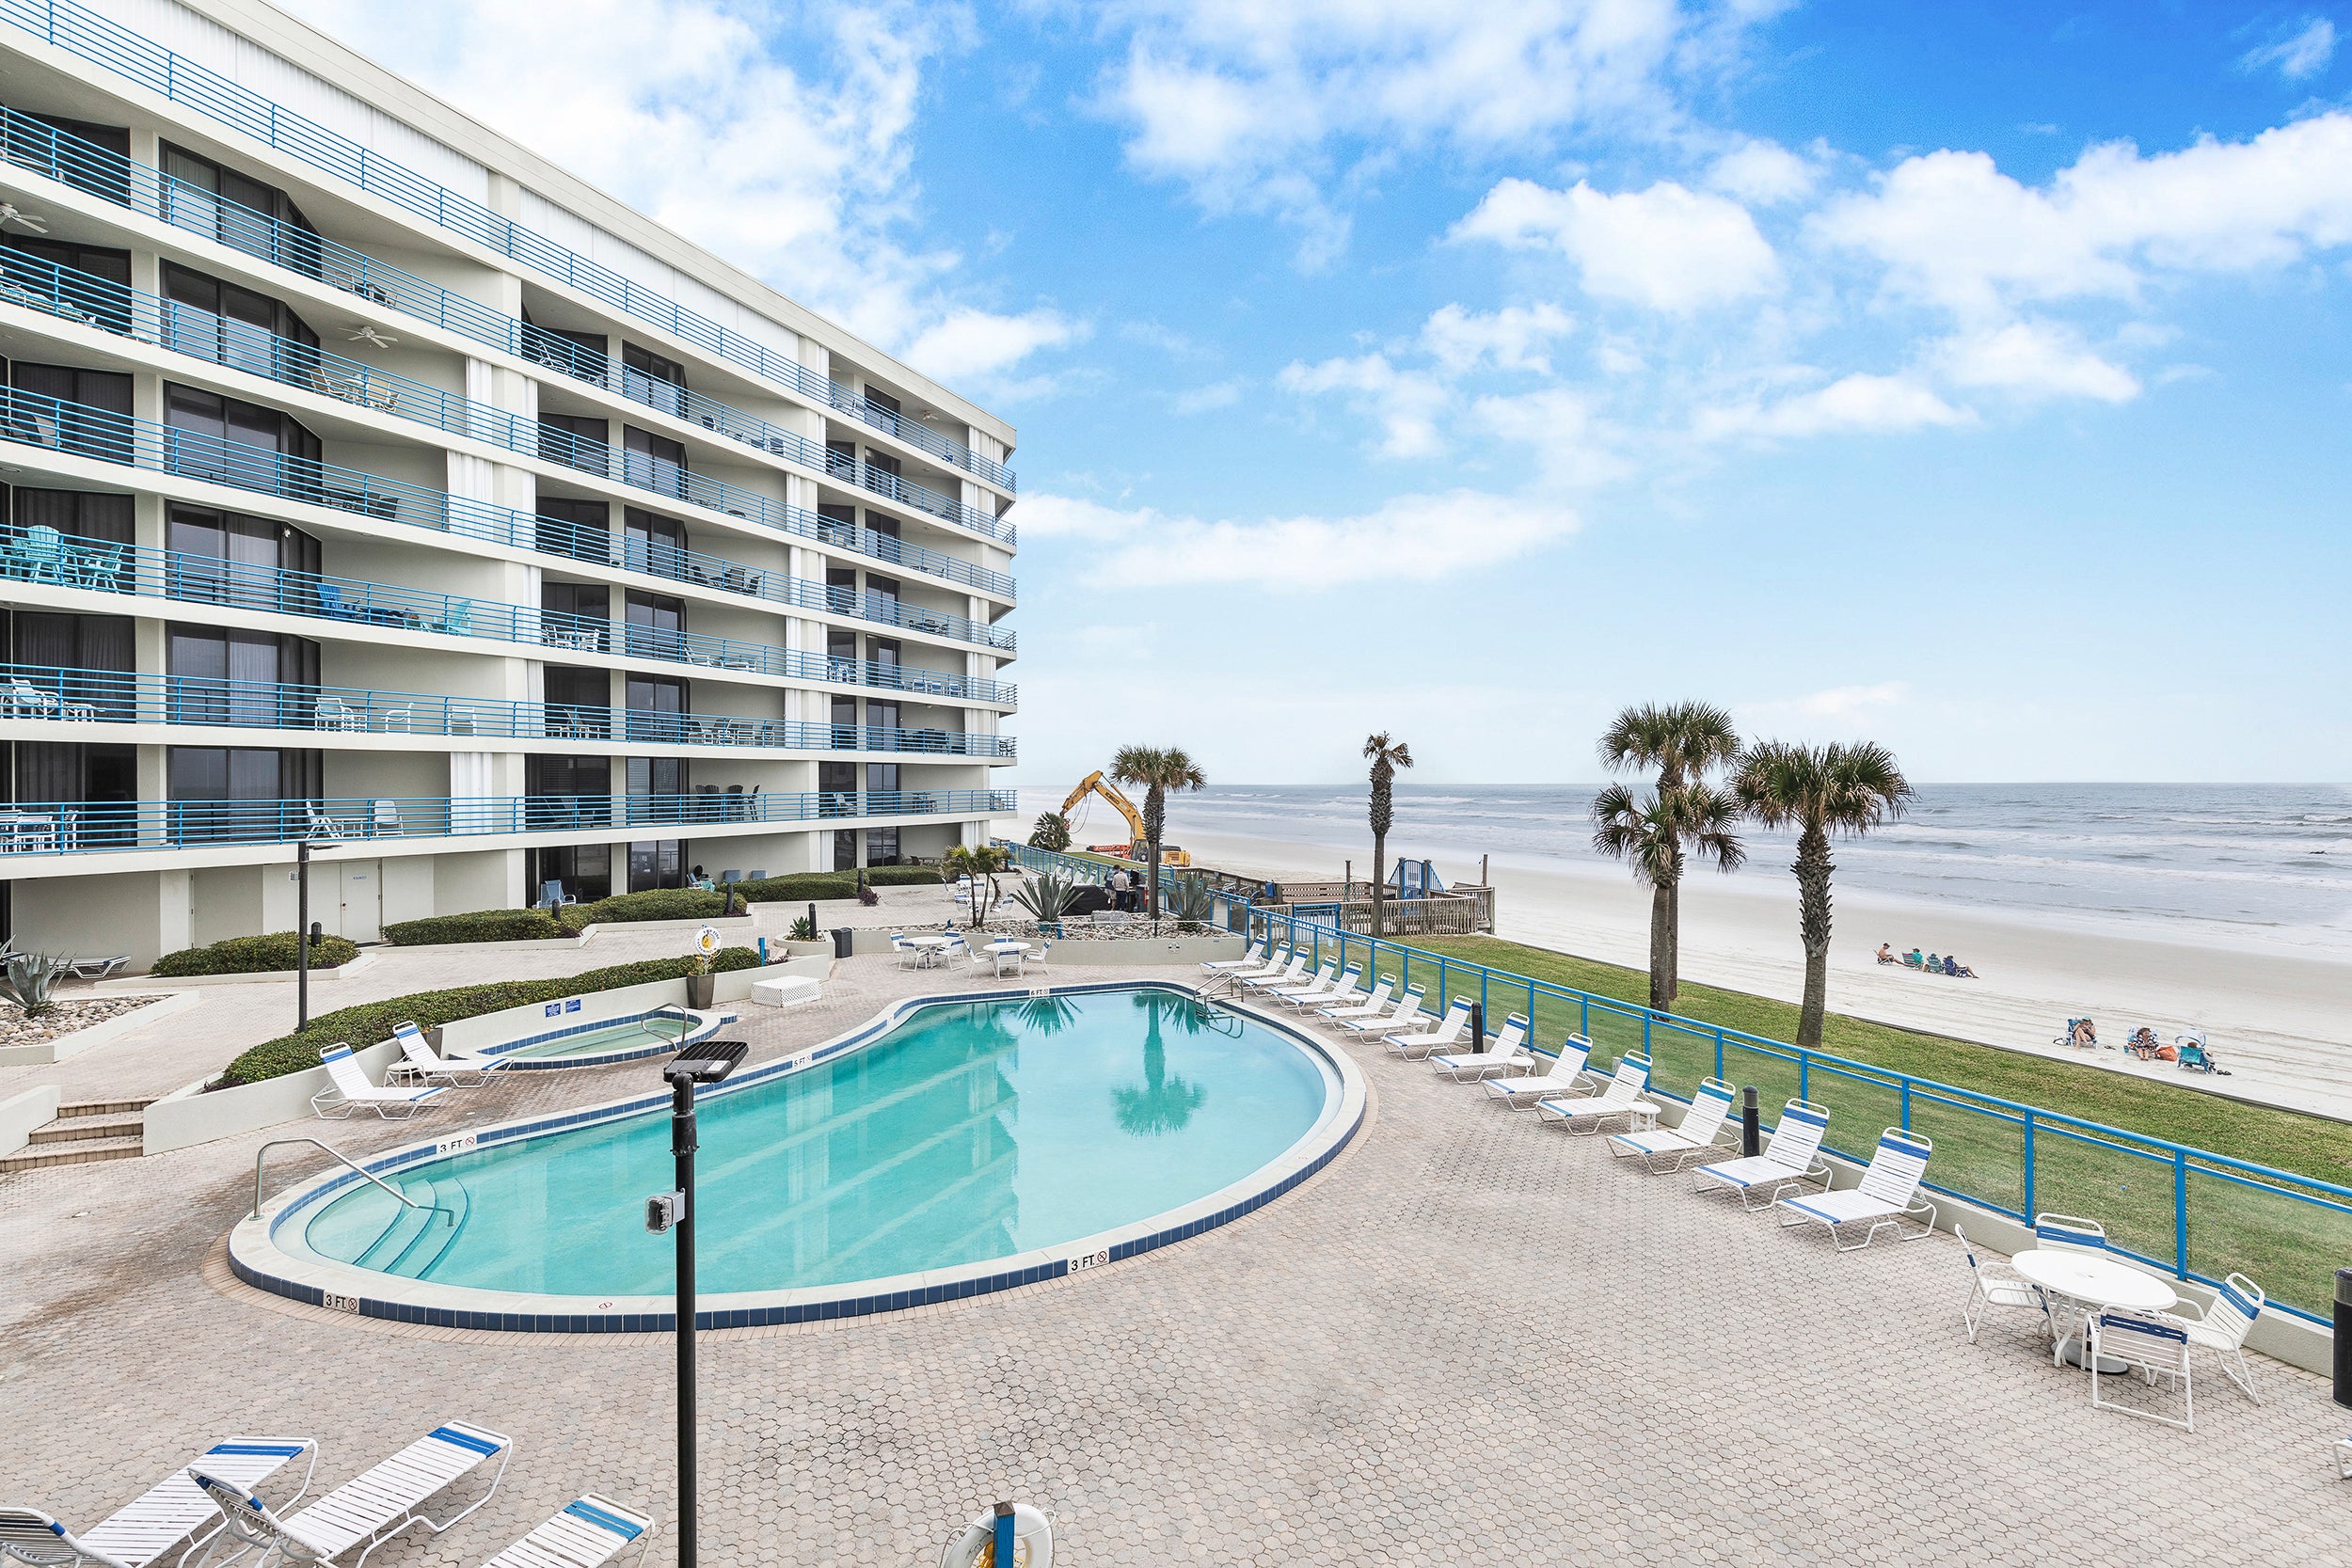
(1136,847)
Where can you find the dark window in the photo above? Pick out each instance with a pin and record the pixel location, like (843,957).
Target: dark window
(654,708)
(575,441)
(653,461)
(223,675)
(77,514)
(841,589)
(69,773)
(584,869)
(652,380)
(581,529)
(886,527)
(97,423)
(655,543)
(845,849)
(882,716)
(579,702)
(579,611)
(78,280)
(213,437)
(881,400)
(228,558)
(879,463)
(656,624)
(841,462)
(882,650)
(578,355)
(881,777)
(658,864)
(88,156)
(211,198)
(60,655)
(844,737)
(237,327)
(236,792)
(660,776)
(882,845)
(543,775)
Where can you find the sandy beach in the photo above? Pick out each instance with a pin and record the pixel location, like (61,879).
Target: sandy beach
(2280,1022)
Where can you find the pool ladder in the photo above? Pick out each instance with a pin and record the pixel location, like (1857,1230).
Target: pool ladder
(262,1153)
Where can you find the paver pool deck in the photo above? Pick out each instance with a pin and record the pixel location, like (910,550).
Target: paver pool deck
(1469,1339)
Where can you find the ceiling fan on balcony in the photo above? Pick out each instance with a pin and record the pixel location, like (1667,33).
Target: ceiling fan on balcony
(360,332)
(32,223)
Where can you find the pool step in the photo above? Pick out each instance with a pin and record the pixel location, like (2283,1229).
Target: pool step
(84,1133)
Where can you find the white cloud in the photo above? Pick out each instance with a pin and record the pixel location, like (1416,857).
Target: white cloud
(1511,339)
(1202,400)
(1849,707)
(1857,404)
(973,345)
(2305,53)
(1416,538)
(1404,403)
(1571,449)
(1763,174)
(1953,231)
(1668,247)
(2035,359)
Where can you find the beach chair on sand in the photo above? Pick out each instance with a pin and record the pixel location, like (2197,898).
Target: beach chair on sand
(1430,1041)
(1622,1098)
(348,1090)
(1563,1079)
(1509,1054)
(1669,1149)
(1791,1158)
(1404,1021)
(1889,1195)
(371,1508)
(173,1511)
(419,1064)
(1359,1007)
(587,1532)
(1252,957)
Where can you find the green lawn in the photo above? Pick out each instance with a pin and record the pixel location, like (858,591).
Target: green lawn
(2290,1247)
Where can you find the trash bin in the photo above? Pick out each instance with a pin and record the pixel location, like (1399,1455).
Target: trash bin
(2344,1336)
(842,936)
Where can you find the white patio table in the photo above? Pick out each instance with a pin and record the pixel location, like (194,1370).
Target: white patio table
(2101,1283)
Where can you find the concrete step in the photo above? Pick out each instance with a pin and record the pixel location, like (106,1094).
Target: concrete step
(79,1152)
(85,1129)
(102,1108)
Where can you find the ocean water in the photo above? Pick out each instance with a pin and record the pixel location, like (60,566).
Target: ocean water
(2254,864)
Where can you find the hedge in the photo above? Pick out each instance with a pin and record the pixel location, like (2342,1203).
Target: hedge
(264,954)
(370,1021)
(661,903)
(818,885)
(481,926)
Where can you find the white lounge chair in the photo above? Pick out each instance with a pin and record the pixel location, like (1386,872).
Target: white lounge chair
(372,1507)
(1346,993)
(1621,1098)
(1319,984)
(173,1510)
(1364,1005)
(2156,1346)
(1429,1041)
(1291,973)
(1252,957)
(1401,1022)
(1564,1078)
(1275,962)
(1791,1158)
(1996,1285)
(348,1090)
(1669,1149)
(419,1064)
(1888,1196)
(587,1532)
(2222,1327)
(1508,1055)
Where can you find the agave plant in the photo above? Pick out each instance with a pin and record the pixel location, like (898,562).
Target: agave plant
(1190,903)
(804,928)
(29,978)
(1047,896)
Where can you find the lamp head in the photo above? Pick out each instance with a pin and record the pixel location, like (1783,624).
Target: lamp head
(708,1063)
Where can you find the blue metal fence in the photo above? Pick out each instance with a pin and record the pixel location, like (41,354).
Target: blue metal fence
(107,44)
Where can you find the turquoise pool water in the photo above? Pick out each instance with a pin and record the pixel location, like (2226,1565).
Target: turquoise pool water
(970,1131)
(636,1033)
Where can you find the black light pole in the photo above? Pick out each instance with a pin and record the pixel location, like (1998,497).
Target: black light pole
(302,930)
(675,1211)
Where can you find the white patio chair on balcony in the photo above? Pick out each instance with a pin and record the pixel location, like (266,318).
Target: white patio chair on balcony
(321,825)
(26,700)
(2222,1327)
(1995,1285)
(2151,1344)
(333,713)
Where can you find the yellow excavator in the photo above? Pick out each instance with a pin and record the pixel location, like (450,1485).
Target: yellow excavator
(1136,849)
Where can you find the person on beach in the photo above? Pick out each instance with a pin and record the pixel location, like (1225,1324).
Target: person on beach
(1935,965)
(2143,1043)
(1957,970)
(1886,954)
(1914,960)
(2085,1033)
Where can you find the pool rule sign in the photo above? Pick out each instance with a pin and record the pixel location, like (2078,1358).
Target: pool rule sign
(673,1211)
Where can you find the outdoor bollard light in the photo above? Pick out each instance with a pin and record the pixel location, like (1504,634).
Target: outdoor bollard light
(674,1210)
(304,930)
(1478,1026)
(2343,1337)
(1751,1139)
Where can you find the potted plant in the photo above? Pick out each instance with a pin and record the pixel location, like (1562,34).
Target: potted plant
(702,986)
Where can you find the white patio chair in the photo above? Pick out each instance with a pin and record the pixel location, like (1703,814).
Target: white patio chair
(1791,1158)
(1888,1196)
(2155,1346)
(1313,989)
(1252,957)
(384,819)
(1349,991)
(23,694)
(1508,1055)
(1291,973)
(173,1511)
(1996,1285)
(333,713)
(2222,1327)
(587,1532)
(419,1064)
(2067,1233)
(349,1092)
(1035,958)
(1428,1042)
(1275,963)
(1661,1149)
(1372,1005)
(909,955)
(1564,1078)
(1404,1021)
(319,825)
(1622,1098)
(372,1507)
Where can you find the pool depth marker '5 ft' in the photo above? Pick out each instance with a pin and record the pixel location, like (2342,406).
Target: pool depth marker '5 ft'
(674,1210)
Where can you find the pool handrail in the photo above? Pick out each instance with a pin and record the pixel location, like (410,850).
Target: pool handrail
(262,1153)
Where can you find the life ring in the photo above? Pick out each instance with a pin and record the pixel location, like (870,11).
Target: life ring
(1033,1542)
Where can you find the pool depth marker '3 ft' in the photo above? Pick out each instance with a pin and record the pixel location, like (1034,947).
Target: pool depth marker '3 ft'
(674,1210)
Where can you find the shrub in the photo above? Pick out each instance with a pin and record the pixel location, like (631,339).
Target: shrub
(897,875)
(480,926)
(660,903)
(253,956)
(803,887)
(369,1021)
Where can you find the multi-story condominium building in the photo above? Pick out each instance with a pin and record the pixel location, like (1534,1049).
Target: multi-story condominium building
(370,480)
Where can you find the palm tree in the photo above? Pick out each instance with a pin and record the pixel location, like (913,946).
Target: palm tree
(1160,1104)
(1156,769)
(1654,836)
(983,863)
(1820,790)
(1387,757)
(1682,741)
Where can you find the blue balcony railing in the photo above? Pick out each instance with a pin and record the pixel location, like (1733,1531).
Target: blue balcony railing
(87,827)
(42,555)
(83,32)
(111,438)
(74,696)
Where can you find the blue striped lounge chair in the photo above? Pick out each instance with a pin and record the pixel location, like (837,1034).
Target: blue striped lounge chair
(1428,1042)
(1252,957)
(1888,1196)
(368,1510)
(172,1512)
(1347,987)
(1660,1150)
(1404,1021)
(1563,1079)
(349,1091)
(586,1532)
(1621,1098)
(1509,1054)
(1791,1159)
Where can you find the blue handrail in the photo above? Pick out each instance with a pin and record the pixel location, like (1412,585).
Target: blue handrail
(77,696)
(111,438)
(43,555)
(88,827)
(94,37)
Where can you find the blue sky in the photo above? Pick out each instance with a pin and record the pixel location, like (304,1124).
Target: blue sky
(1970,377)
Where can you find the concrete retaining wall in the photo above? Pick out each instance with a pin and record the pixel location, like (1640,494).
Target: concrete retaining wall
(43,1052)
(19,1113)
(189,1116)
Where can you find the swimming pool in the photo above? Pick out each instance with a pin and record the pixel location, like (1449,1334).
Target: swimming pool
(658,1033)
(948,1147)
